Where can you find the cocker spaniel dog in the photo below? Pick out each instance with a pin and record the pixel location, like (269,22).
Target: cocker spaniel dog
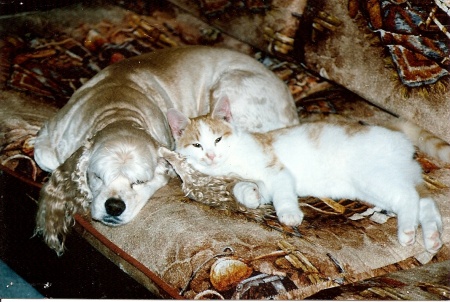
(101,147)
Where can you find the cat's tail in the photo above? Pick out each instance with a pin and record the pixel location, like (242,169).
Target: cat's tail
(423,139)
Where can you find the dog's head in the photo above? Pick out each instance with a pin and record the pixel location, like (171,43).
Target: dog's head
(114,175)
(120,172)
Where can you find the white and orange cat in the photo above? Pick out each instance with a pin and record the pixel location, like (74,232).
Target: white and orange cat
(369,163)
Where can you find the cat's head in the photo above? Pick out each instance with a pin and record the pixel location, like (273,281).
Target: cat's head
(204,140)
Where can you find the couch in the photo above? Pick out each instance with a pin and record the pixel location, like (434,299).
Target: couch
(335,61)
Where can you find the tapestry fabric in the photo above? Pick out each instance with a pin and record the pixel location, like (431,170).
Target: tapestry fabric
(394,54)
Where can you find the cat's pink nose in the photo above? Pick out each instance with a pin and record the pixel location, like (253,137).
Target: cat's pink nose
(211,156)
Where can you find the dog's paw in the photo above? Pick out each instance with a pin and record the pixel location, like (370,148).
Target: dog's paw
(247,193)
(291,217)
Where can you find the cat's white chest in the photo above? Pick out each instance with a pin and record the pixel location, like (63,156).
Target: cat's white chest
(245,157)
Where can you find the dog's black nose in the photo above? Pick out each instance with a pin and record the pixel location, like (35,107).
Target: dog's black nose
(114,206)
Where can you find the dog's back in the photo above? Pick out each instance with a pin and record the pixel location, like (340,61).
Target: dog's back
(189,79)
(200,75)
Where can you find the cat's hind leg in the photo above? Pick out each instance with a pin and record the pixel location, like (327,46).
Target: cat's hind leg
(396,196)
(431,222)
(407,219)
(404,203)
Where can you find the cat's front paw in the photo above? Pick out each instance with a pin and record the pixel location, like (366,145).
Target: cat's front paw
(247,193)
(291,217)
(163,167)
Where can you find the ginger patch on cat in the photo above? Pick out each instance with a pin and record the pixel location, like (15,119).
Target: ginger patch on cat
(266,142)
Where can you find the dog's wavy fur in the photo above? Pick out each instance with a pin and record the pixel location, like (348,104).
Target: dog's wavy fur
(65,194)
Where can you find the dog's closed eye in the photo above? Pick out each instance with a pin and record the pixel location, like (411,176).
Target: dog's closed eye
(138,182)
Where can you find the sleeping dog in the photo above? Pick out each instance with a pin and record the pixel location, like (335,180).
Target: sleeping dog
(101,147)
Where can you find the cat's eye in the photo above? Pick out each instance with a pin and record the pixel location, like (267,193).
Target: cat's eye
(218,140)
(197,145)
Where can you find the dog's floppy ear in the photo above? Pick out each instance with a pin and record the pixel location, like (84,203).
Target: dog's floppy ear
(65,194)
(158,126)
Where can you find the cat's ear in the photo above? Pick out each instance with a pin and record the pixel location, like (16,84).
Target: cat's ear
(222,109)
(177,122)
